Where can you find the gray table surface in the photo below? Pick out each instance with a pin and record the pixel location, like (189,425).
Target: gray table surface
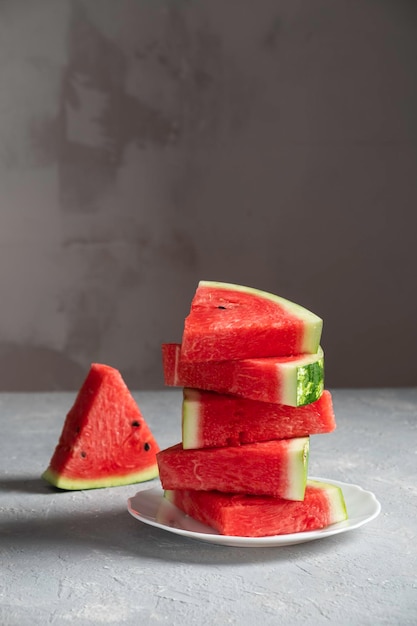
(79,557)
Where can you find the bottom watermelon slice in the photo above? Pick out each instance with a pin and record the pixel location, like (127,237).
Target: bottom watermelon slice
(105,440)
(260,516)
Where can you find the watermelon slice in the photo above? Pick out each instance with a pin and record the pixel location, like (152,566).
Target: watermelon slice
(293,381)
(105,440)
(274,468)
(257,516)
(229,322)
(211,419)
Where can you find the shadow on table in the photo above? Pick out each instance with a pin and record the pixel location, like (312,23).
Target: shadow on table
(115,531)
(21,484)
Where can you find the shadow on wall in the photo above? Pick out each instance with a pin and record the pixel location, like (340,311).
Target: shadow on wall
(26,368)
(148,145)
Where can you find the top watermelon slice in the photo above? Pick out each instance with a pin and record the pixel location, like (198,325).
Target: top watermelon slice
(105,440)
(228,322)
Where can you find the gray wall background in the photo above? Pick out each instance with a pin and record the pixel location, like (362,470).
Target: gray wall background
(146,144)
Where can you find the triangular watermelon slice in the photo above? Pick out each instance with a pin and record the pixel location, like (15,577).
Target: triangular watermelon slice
(105,440)
(229,322)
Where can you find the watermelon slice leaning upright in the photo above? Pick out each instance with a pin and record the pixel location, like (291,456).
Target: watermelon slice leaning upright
(105,440)
(228,322)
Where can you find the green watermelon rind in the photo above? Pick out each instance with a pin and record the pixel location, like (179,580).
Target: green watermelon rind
(78,484)
(302,379)
(313,324)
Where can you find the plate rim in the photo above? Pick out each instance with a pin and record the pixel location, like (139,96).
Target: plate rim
(264,541)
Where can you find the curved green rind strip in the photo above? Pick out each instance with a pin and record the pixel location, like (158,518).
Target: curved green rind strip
(313,325)
(77,484)
(302,380)
(310,382)
(298,458)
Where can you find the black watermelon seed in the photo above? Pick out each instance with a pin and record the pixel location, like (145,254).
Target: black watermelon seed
(135,424)
(221,307)
(147,446)
(83,454)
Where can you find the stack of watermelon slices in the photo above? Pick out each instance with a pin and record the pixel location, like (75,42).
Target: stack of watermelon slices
(252,372)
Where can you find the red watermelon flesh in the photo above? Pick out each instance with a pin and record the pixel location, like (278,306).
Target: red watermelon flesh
(105,440)
(256,516)
(228,322)
(293,381)
(274,468)
(210,419)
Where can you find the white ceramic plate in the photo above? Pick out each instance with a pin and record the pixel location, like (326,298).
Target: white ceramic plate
(149,506)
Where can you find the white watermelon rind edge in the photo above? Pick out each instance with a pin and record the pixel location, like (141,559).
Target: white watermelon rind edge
(298,458)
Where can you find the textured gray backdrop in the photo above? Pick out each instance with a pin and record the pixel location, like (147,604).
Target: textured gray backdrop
(145,144)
